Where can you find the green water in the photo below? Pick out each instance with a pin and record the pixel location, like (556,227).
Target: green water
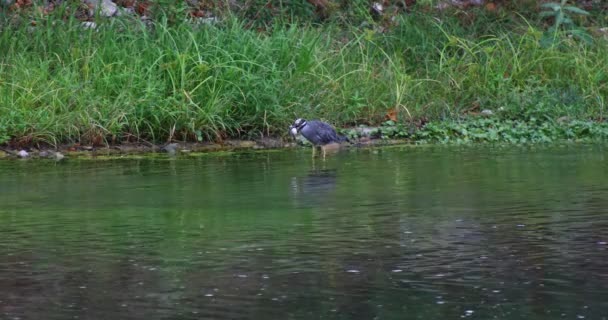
(395,233)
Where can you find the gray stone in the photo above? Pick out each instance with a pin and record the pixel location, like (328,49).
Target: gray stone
(23,154)
(208,20)
(270,143)
(89,25)
(171,148)
(106,8)
(378,7)
(364,131)
(129,11)
(240,143)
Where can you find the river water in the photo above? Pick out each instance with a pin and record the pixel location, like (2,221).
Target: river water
(390,233)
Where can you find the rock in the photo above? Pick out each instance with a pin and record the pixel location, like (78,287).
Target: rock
(59,156)
(128,10)
(378,8)
(301,140)
(147,21)
(600,32)
(89,25)
(106,8)
(241,143)
(462,4)
(270,143)
(364,131)
(171,148)
(205,147)
(43,154)
(246,144)
(23,154)
(205,20)
(487,112)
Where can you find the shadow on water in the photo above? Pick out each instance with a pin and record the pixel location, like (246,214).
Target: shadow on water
(421,233)
(315,188)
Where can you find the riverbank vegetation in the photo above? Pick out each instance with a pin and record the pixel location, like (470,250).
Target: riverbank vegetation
(433,74)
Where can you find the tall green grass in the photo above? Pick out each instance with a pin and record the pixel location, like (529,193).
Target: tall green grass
(62,83)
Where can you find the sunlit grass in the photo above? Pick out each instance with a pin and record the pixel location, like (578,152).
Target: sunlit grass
(127,81)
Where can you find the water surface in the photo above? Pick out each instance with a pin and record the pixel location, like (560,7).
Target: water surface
(395,233)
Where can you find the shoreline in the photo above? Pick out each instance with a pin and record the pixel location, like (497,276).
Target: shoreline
(473,131)
(74,151)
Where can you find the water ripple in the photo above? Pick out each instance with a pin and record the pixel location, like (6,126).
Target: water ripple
(431,233)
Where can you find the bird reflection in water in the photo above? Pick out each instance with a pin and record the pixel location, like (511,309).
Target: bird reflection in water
(314,189)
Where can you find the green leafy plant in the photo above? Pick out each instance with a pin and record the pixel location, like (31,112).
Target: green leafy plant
(483,130)
(562,15)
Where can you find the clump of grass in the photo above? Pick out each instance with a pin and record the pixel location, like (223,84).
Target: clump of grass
(508,70)
(127,81)
(178,82)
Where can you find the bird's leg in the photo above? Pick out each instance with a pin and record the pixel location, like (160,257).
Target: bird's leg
(314,150)
(324,152)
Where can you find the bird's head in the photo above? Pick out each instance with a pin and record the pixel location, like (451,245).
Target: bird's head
(297,126)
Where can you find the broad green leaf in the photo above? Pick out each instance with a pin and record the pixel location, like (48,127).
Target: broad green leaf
(581,34)
(576,10)
(551,5)
(545,14)
(559,19)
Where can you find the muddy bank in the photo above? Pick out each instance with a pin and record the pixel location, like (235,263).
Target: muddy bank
(72,151)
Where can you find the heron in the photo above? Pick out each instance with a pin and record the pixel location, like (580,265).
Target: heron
(318,133)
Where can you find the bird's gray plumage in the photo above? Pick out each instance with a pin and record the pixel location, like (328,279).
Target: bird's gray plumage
(316,132)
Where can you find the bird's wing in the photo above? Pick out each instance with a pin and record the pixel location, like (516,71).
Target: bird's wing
(326,133)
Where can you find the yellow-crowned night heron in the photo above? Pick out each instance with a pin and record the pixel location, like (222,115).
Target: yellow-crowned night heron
(317,132)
